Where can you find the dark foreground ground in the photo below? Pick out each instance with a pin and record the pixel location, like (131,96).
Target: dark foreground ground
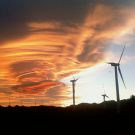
(101,119)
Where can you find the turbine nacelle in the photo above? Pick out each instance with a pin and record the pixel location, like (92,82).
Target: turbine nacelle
(113,64)
(104,95)
(74,80)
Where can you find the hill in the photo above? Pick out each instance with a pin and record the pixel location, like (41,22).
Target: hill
(98,118)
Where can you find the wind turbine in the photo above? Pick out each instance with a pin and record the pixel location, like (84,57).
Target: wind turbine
(21,101)
(9,100)
(104,96)
(116,69)
(35,101)
(73,86)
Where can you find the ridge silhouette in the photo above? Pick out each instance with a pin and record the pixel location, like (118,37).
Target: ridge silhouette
(94,118)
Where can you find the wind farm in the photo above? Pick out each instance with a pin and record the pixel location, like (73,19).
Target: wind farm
(46,45)
(55,47)
(47,83)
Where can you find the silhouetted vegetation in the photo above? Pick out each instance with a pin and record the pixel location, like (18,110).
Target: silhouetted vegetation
(96,118)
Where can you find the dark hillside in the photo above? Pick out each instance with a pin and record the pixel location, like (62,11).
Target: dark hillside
(98,118)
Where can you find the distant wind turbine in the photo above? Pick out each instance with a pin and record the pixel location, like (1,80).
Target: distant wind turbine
(35,101)
(104,97)
(21,101)
(9,101)
(73,86)
(116,69)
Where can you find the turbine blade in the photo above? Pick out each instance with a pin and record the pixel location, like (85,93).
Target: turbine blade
(121,54)
(73,77)
(77,79)
(121,76)
(107,62)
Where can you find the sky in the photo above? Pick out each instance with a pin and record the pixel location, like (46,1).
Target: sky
(44,43)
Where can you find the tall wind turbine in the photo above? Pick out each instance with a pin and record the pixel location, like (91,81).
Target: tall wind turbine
(73,86)
(116,69)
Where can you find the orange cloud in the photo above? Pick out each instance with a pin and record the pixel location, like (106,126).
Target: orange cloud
(36,87)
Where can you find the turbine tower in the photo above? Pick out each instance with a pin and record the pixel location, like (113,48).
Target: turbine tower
(73,86)
(116,69)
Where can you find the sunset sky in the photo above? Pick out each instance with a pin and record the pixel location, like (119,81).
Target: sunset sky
(44,43)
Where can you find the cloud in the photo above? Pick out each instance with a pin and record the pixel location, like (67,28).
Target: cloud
(24,66)
(35,87)
(20,13)
(46,40)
